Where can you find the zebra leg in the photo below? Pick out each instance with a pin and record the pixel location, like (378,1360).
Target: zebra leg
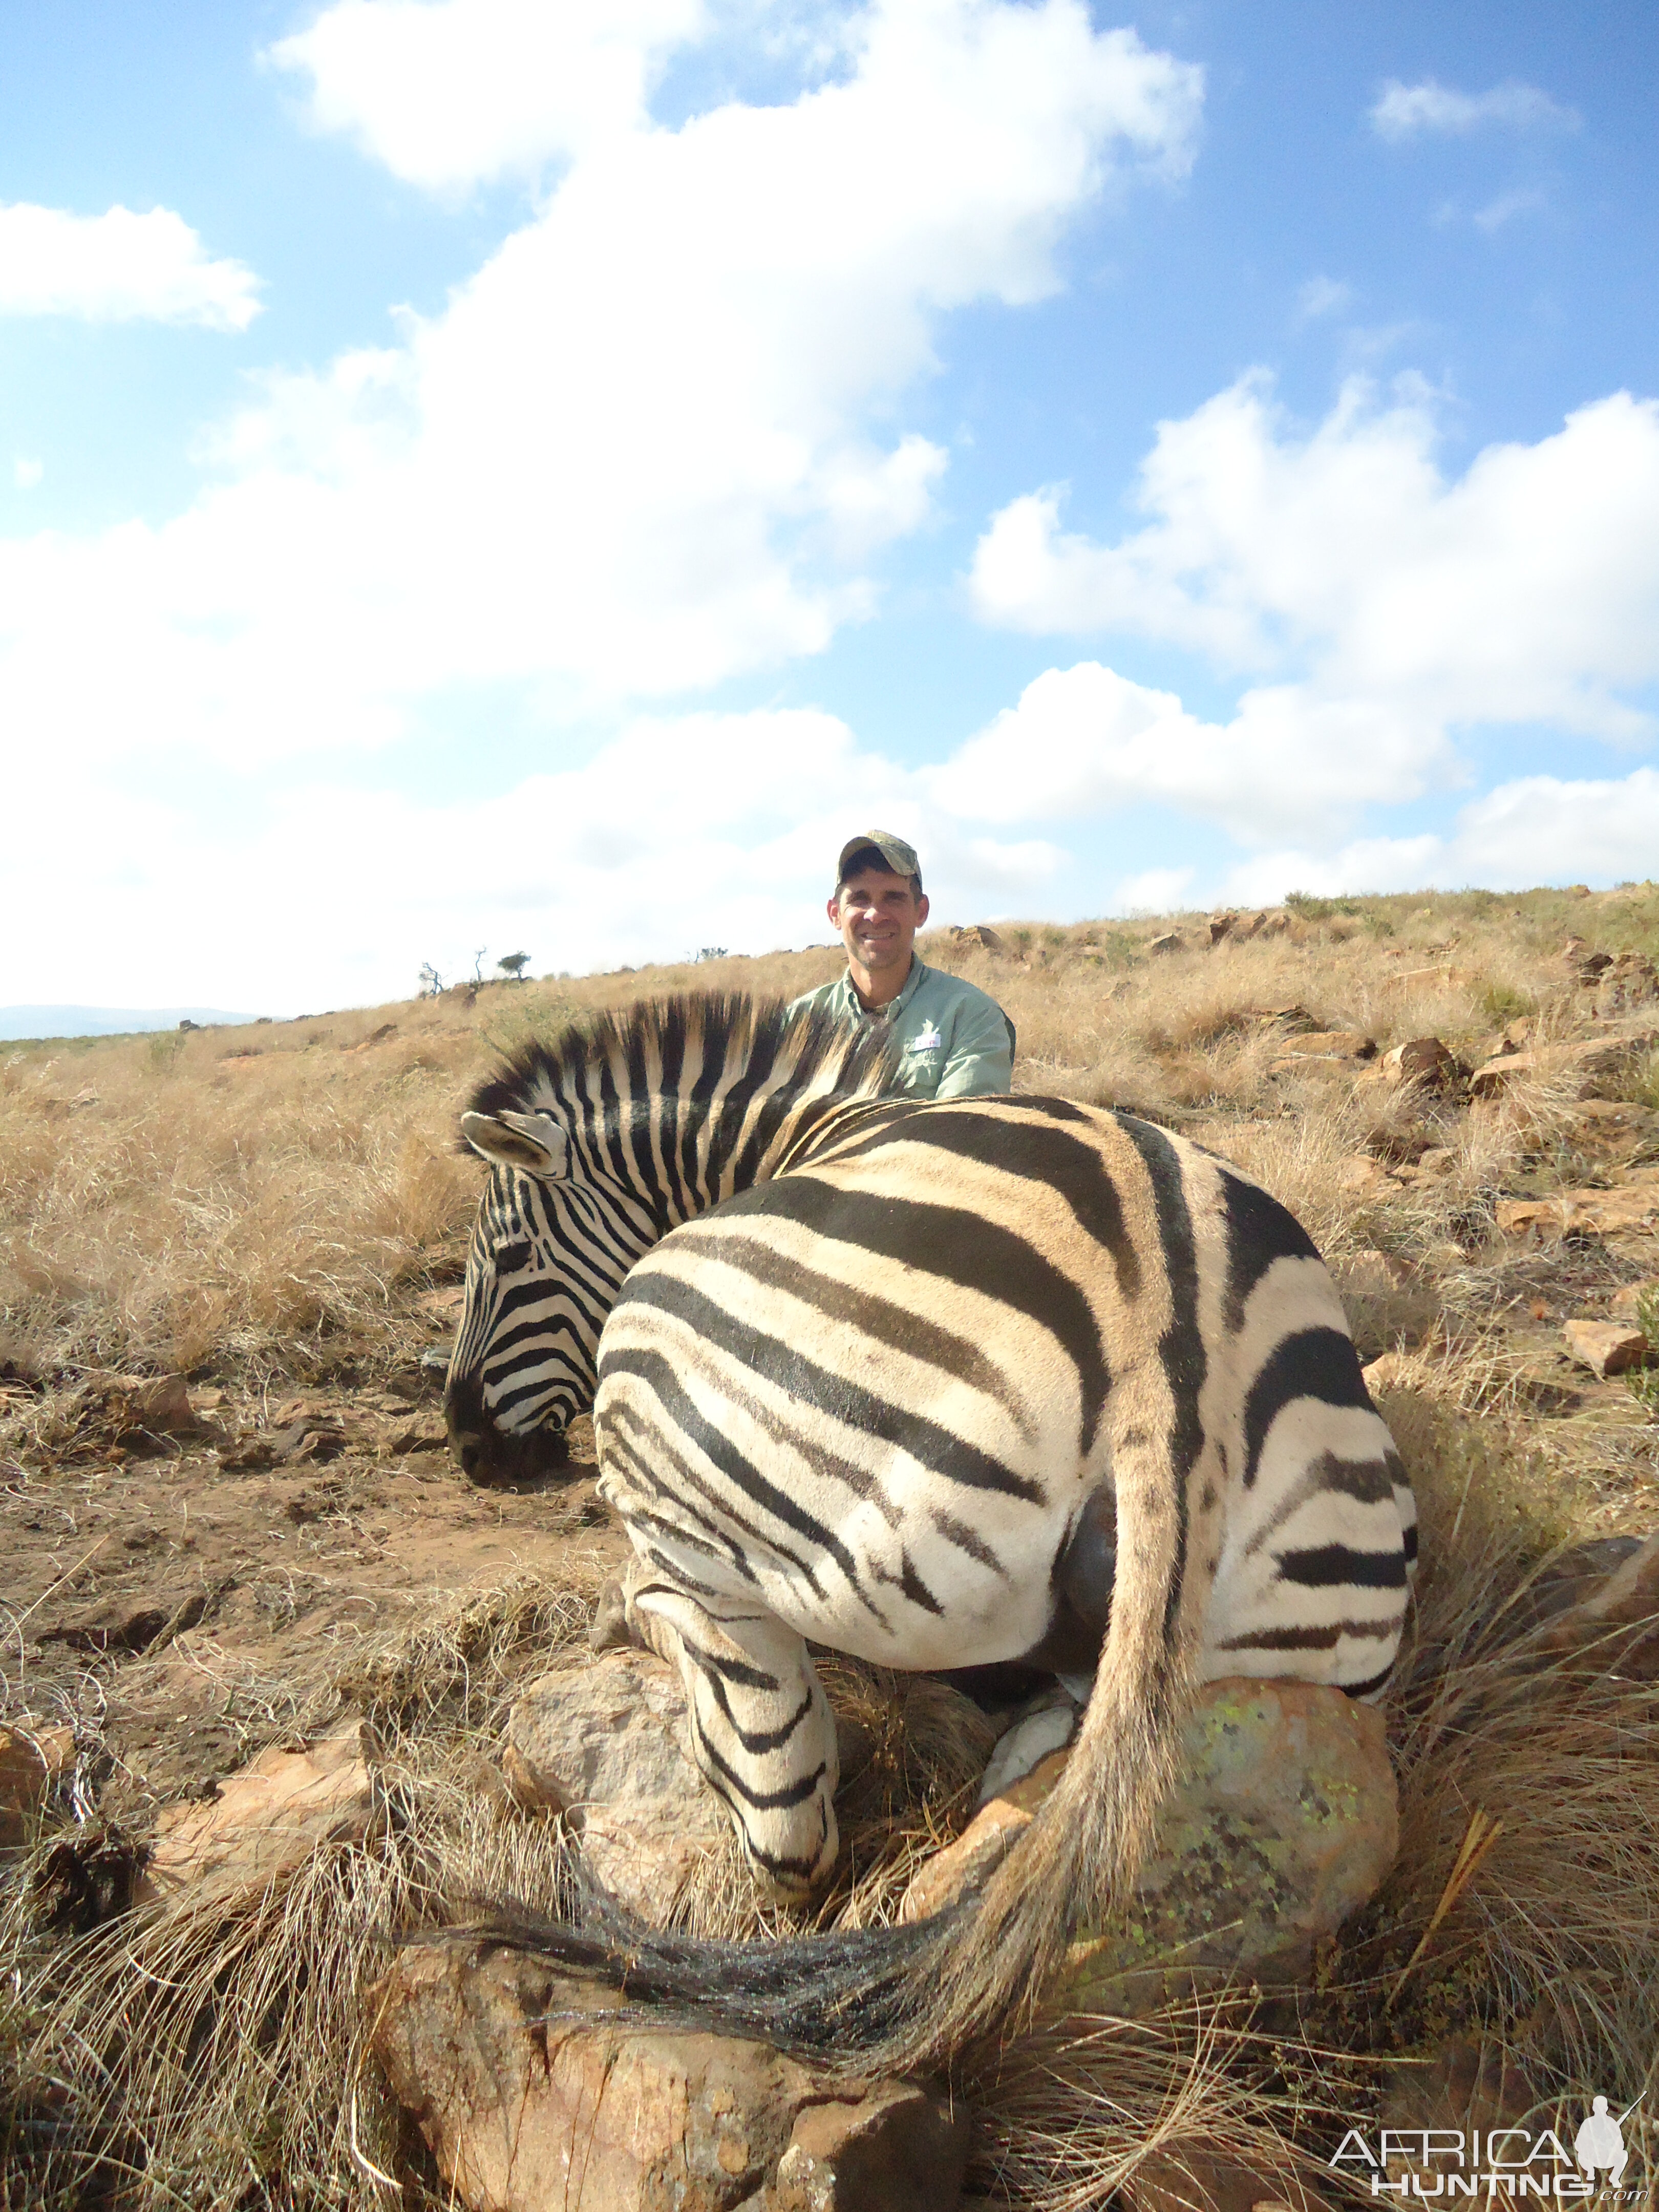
(762,1730)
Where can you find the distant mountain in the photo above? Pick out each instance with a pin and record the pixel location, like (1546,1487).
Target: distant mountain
(104,1021)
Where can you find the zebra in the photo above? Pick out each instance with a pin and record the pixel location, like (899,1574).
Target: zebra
(938,1385)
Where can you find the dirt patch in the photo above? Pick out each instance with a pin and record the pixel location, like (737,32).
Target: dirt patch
(192,1610)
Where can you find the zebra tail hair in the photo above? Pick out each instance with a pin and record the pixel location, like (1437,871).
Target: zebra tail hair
(910,1997)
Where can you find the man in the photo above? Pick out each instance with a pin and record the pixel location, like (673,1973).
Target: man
(957,1043)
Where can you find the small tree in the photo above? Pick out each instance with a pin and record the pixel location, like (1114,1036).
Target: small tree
(432,982)
(513,964)
(477,963)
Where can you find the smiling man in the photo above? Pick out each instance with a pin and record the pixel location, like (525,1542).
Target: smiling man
(957,1043)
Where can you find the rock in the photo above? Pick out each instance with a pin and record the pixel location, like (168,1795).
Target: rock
(1285,1823)
(608,1744)
(1390,1371)
(529,2097)
(1276,923)
(1630,1206)
(1628,1598)
(1425,1061)
(1372,1274)
(891,2150)
(1631,981)
(1571,1577)
(984,936)
(1633,1295)
(265,1823)
(1438,1160)
(1606,1347)
(1359,1174)
(31,1761)
(1222,926)
(1171,941)
(984,1843)
(1332,1044)
(1579,1064)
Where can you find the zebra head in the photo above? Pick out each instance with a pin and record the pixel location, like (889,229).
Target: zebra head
(600,1141)
(550,1248)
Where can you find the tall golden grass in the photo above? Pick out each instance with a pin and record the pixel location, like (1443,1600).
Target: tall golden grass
(268,1194)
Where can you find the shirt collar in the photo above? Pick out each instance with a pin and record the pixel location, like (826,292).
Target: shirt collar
(893,1007)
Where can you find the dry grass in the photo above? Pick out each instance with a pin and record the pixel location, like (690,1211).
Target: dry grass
(172,1204)
(193,2059)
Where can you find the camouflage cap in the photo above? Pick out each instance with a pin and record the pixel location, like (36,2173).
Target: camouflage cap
(900,857)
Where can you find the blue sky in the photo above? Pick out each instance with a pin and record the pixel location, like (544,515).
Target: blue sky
(493,472)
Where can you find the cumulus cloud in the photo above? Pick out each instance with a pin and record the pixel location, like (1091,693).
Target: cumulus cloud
(119,267)
(1409,111)
(1528,590)
(1538,829)
(650,443)
(683,831)
(464,91)
(1086,742)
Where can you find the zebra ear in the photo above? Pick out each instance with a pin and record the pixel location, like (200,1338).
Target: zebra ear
(534,1144)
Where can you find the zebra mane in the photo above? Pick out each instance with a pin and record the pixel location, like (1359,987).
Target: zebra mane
(812,1053)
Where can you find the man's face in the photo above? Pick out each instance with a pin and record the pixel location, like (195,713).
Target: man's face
(878,915)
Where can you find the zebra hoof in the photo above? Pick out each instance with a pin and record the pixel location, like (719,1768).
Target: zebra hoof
(609,1630)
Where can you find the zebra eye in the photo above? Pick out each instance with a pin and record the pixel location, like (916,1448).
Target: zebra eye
(510,1258)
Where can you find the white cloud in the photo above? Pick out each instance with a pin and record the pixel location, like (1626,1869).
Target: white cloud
(1536,829)
(1154,891)
(1407,110)
(1322,295)
(684,830)
(463,91)
(649,444)
(1505,208)
(1526,590)
(26,472)
(1085,742)
(119,267)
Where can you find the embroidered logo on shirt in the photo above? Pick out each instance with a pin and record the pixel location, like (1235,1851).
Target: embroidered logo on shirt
(927,1040)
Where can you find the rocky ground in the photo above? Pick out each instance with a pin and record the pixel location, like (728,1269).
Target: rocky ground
(230,1270)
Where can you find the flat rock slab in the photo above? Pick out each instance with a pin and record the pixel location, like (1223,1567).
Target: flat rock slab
(1606,1347)
(266,1821)
(1579,1065)
(1630,1206)
(1285,1823)
(529,2097)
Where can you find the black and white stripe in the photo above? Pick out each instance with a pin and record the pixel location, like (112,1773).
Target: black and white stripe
(939,1385)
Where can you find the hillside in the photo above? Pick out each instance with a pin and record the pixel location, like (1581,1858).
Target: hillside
(278,1214)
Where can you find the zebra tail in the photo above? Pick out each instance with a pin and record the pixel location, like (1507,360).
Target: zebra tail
(910,1997)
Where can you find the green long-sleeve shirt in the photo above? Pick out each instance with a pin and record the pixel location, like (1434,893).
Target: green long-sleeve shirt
(957,1043)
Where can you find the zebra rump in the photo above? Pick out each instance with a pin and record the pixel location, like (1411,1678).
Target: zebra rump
(880,1373)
